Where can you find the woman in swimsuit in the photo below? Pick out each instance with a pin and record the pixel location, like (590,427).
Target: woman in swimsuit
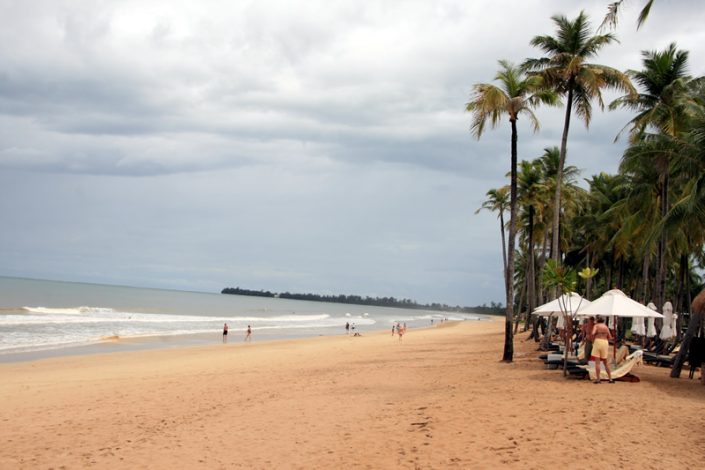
(600,348)
(225,333)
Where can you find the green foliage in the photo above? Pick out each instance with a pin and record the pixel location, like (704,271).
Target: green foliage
(493,309)
(588,273)
(560,276)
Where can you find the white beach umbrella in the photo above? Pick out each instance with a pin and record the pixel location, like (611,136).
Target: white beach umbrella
(567,303)
(638,327)
(668,329)
(651,322)
(616,303)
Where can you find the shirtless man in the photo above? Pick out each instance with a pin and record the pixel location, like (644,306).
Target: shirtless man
(600,348)
(248,336)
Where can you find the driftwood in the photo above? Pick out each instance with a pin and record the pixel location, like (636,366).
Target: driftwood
(695,325)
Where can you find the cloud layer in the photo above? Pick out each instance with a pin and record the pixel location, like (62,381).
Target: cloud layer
(314,147)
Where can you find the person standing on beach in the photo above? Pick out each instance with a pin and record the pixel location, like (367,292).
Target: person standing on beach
(248,336)
(347,328)
(225,333)
(600,348)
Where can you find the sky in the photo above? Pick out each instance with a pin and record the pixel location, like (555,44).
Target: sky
(313,146)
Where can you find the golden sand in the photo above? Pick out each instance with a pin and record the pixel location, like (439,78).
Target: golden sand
(440,399)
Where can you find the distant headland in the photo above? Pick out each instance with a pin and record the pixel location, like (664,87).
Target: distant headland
(492,309)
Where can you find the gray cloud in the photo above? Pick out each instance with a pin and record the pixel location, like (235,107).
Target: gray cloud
(317,148)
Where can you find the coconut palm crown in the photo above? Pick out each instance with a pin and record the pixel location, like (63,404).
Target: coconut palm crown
(516,94)
(664,97)
(565,69)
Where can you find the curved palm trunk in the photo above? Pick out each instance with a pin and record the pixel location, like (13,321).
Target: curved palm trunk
(508,355)
(555,248)
(697,312)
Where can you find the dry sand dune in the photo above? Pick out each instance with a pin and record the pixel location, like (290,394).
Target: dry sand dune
(441,399)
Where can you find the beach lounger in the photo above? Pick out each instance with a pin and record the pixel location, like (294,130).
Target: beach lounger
(660,360)
(555,361)
(622,370)
(578,371)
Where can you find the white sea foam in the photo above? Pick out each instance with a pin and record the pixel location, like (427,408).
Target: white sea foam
(68,311)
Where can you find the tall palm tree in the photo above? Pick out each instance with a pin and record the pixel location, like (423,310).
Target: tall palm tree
(516,95)
(530,187)
(662,106)
(498,200)
(566,70)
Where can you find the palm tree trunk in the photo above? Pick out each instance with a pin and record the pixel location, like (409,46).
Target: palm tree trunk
(504,247)
(697,311)
(555,246)
(662,273)
(681,283)
(645,278)
(542,262)
(520,306)
(531,276)
(508,354)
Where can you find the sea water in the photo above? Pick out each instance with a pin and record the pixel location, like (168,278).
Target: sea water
(57,318)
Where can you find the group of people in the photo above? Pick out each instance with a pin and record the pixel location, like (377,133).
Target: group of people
(351,327)
(248,334)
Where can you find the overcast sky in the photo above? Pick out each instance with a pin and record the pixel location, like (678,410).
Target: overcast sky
(312,146)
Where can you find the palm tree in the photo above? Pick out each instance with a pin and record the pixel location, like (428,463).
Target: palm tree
(530,187)
(662,106)
(566,70)
(516,94)
(498,200)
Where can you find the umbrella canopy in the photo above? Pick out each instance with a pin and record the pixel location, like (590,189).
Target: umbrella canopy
(570,303)
(616,303)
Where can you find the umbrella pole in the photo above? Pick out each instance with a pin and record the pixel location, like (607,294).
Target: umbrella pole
(614,347)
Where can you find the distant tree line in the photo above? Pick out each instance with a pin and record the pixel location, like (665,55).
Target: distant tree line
(493,309)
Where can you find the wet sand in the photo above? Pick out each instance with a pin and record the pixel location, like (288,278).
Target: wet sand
(440,399)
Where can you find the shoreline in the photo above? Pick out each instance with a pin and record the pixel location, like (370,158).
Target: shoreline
(117,344)
(441,398)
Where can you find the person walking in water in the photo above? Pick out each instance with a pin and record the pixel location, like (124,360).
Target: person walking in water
(225,333)
(347,328)
(248,336)
(600,348)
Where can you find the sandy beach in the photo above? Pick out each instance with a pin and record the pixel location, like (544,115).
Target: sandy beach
(440,399)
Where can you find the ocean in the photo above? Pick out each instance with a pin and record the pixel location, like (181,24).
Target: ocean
(40,318)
